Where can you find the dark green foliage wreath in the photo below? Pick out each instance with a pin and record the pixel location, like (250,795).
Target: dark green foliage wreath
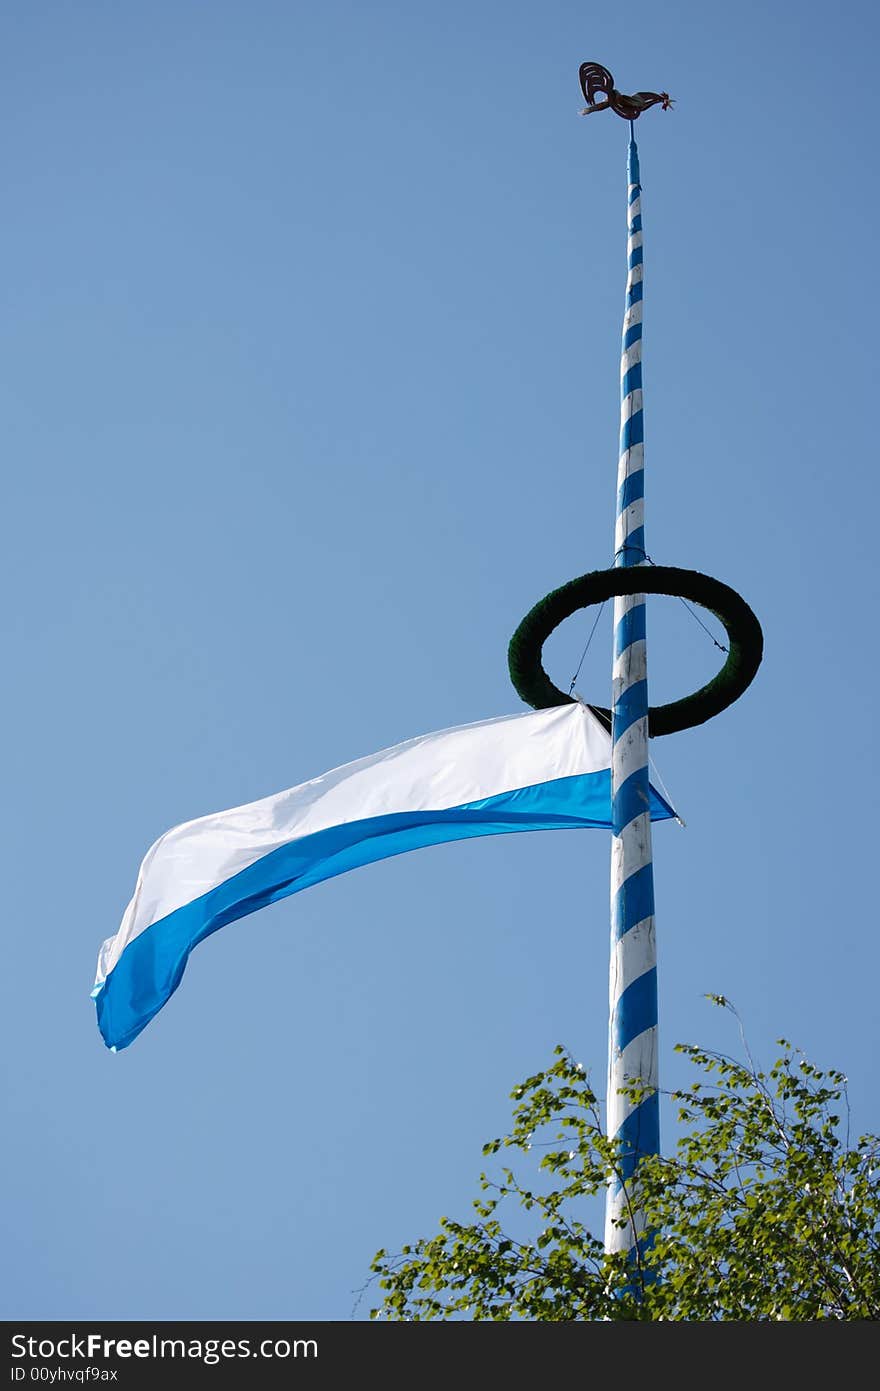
(746,640)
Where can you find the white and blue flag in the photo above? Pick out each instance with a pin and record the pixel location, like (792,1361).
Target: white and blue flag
(547,770)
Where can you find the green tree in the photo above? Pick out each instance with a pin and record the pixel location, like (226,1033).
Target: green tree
(765,1211)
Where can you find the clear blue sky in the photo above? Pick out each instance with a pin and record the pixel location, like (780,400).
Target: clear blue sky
(309,391)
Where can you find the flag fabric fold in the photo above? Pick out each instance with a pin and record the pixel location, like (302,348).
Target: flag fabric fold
(547,770)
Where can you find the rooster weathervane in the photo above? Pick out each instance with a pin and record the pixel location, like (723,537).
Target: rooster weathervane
(595,79)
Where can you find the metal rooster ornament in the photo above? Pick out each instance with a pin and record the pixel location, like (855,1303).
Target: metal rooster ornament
(595,79)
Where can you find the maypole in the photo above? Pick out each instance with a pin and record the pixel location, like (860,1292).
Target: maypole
(632,1043)
(633,1078)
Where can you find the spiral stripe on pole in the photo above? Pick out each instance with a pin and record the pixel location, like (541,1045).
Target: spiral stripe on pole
(632,1047)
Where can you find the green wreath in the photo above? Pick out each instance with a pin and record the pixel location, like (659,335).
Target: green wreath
(746,640)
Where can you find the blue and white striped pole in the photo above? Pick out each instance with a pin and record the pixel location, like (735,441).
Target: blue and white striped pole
(632,1051)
